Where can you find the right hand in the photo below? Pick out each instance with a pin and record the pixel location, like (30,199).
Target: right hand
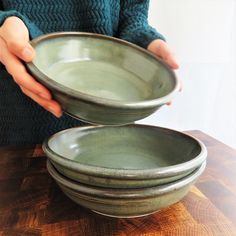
(14,47)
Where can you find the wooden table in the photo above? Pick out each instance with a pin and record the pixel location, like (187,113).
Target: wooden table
(32,204)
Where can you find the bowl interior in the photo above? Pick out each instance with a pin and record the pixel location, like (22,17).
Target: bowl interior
(103,67)
(126,147)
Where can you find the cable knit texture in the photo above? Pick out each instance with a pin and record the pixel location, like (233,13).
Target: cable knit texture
(22,121)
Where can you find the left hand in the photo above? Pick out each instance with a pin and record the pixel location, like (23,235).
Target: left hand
(162,50)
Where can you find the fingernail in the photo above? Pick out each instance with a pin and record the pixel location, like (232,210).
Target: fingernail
(59,115)
(27,53)
(51,109)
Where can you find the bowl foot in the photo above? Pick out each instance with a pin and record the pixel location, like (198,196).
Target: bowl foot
(120,216)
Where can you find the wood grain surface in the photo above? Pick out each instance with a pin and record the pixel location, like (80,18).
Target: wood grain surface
(32,204)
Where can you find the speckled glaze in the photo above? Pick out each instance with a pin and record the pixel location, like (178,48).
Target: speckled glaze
(131,156)
(125,203)
(101,79)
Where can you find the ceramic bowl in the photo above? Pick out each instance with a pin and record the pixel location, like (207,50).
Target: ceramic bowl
(100,79)
(125,202)
(131,156)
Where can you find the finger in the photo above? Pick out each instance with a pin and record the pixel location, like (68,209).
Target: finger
(28,82)
(22,50)
(20,75)
(171,61)
(16,36)
(49,105)
(166,54)
(1,49)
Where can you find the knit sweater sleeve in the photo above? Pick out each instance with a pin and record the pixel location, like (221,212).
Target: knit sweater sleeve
(34,31)
(133,23)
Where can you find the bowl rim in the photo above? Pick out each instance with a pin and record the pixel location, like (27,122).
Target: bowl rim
(117,173)
(125,193)
(52,84)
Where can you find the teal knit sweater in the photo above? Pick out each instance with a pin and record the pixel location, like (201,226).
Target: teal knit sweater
(22,121)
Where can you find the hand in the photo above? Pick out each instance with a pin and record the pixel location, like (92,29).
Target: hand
(14,47)
(162,50)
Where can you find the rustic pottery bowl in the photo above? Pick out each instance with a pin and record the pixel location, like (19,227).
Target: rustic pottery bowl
(100,79)
(131,156)
(125,202)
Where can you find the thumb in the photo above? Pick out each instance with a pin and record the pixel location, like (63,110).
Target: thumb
(16,35)
(21,49)
(161,49)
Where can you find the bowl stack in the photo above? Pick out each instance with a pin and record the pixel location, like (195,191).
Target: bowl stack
(125,171)
(119,171)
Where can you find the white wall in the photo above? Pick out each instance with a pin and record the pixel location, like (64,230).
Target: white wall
(202,33)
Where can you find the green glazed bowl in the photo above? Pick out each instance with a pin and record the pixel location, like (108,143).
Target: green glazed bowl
(131,156)
(100,79)
(125,203)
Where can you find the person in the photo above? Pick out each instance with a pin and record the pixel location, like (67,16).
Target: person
(28,113)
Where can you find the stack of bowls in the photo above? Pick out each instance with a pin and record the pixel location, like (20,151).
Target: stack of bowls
(125,171)
(120,171)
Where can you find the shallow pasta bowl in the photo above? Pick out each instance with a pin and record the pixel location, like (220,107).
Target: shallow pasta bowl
(126,203)
(131,156)
(101,79)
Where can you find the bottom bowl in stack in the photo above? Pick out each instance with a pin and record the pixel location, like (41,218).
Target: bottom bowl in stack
(125,203)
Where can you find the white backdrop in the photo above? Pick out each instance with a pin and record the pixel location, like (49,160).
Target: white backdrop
(202,33)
